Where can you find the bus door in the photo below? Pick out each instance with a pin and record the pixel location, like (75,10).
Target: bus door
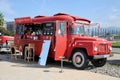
(61,39)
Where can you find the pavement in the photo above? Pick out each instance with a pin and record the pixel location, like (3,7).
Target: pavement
(115,59)
(11,69)
(116,50)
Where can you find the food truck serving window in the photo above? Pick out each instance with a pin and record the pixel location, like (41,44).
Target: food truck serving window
(20,29)
(48,28)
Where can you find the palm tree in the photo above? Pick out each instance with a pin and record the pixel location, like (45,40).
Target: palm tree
(1,20)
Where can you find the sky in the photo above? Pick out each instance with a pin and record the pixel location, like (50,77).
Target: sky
(105,12)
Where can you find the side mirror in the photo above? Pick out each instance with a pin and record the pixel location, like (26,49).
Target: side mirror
(0,34)
(72,25)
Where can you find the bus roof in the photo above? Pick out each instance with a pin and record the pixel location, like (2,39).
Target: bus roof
(41,19)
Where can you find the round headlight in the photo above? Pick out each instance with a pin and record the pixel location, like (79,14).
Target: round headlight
(95,48)
(110,48)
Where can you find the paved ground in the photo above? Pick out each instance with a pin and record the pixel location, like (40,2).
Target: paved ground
(19,70)
(116,50)
(115,59)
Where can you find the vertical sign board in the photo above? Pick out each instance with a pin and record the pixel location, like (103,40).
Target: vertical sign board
(44,53)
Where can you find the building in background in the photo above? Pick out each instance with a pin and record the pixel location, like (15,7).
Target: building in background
(5,24)
(10,26)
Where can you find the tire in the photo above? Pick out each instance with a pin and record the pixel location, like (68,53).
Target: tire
(99,62)
(80,59)
(1,46)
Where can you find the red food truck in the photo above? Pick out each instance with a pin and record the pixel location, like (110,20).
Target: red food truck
(5,40)
(69,37)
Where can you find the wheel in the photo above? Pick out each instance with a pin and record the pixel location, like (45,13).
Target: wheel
(1,46)
(99,62)
(79,59)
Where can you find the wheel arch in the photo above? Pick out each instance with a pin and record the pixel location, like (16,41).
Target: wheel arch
(75,49)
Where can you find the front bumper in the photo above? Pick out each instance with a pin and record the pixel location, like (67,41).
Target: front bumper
(102,56)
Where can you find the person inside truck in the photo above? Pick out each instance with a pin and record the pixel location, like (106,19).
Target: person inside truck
(28,35)
(24,32)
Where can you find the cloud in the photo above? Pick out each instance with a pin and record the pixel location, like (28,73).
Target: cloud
(111,20)
(114,17)
(115,9)
(5,7)
(42,3)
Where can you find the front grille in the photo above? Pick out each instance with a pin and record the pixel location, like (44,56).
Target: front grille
(102,48)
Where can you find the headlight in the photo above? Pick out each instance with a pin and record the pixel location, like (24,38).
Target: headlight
(110,48)
(95,48)
(0,39)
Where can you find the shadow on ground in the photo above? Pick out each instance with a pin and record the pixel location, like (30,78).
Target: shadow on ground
(21,63)
(50,63)
(114,62)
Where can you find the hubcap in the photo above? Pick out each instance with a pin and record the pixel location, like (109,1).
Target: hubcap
(77,59)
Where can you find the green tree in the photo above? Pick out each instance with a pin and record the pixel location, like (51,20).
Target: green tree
(6,32)
(2,29)
(1,20)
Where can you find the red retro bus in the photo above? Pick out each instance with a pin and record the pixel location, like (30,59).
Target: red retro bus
(69,37)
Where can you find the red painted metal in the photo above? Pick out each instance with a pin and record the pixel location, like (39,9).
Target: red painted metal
(4,39)
(61,43)
(23,20)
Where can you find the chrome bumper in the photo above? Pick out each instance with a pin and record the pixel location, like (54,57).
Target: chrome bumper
(102,56)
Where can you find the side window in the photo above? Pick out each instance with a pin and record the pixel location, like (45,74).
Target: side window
(20,29)
(61,28)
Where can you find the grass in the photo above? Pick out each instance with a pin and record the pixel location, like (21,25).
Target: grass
(115,52)
(113,64)
(116,44)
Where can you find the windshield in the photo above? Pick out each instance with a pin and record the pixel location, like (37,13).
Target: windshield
(80,29)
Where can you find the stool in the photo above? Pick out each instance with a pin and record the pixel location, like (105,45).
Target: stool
(14,52)
(29,52)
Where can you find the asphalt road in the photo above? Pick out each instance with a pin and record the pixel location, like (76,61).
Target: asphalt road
(116,50)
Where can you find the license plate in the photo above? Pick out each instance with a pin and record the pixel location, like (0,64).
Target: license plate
(105,56)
